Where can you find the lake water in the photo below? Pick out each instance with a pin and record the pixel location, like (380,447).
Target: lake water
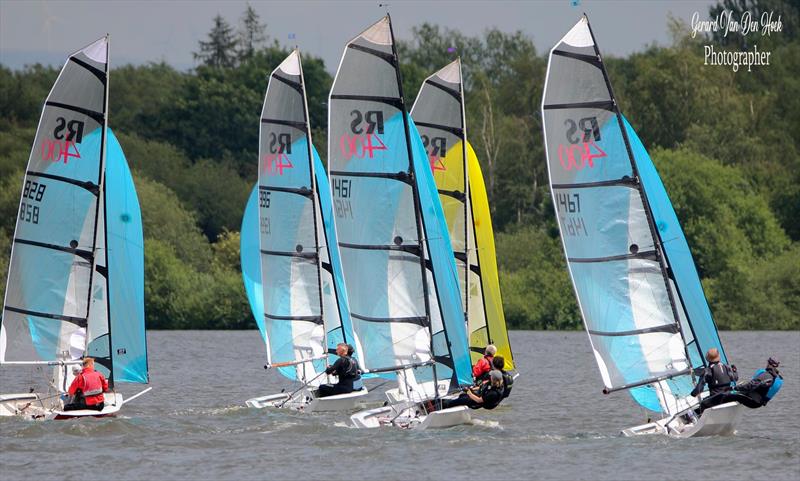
(556,425)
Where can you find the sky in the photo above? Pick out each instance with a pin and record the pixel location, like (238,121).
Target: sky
(144,31)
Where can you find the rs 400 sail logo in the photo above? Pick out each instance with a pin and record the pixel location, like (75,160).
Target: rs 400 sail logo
(66,135)
(582,149)
(280,148)
(364,139)
(436,148)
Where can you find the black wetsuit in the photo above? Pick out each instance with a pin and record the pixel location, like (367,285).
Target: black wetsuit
(752,394)
(491,396)
(346,369)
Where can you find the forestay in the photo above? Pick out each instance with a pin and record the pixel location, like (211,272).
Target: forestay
(76,270)
(619,233)
(438,113)
(304,305)
(397,260)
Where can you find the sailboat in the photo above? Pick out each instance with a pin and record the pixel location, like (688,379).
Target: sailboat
(438,113)
(304,311)
(637,287)
(396,256)
(75,283)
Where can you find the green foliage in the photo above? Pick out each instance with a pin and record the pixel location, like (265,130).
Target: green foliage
(220,48)
(726,222)
(537,291)
(762,295)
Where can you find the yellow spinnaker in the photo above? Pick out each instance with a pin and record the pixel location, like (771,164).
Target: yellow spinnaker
(486,321)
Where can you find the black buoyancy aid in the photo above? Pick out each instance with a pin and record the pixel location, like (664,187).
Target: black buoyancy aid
(719,378)
(485,389)
(351,371)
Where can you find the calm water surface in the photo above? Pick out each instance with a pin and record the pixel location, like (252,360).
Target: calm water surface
(556,425)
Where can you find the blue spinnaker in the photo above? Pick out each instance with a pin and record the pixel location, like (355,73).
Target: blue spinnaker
(125,243)
(250,259)
(690,291)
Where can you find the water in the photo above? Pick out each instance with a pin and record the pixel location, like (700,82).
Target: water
(556,425)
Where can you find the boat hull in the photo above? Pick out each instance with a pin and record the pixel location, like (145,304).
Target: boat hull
(410,416)
(716,421)
(306,401)
(37,406)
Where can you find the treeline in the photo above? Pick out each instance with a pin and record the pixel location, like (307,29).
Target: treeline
(725,144)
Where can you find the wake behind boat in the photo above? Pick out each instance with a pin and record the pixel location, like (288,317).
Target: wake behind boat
(76,273)
(290,259)
(637,287)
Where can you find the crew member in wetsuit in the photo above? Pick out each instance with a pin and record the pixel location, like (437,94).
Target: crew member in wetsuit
(346,369)
(487,396)
(91,384)
(480,371)
(499,363)
(719,376)
(754,393)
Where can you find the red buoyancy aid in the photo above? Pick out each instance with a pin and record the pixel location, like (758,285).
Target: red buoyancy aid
(93,384)
(483,366)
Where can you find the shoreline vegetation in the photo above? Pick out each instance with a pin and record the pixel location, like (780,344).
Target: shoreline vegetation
(726,145)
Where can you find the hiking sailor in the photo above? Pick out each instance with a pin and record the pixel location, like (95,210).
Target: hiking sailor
(499,363)
(719,377)
(488,395)
(346,369)
(754,393)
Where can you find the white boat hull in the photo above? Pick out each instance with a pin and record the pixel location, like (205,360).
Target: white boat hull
(716,421)
(44,407)
(306,401)
(411,416)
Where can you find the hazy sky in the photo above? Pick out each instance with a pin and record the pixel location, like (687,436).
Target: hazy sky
(142,31)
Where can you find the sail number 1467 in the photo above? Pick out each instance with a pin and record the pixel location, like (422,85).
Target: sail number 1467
(568,205)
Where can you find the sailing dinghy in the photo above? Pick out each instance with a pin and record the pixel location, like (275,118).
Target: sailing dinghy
(300,303)
(396,256)
(637,287)
(439,116)
(76,276)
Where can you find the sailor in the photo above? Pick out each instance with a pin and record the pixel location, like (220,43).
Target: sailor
(719,376)
(346,369)
(480,371)
(487,396)
(499,363)
(91,384)
(754,393)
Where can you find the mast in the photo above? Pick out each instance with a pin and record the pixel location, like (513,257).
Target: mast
(101,195)
(417,204)
(314,202)
(647,209)
(468,203)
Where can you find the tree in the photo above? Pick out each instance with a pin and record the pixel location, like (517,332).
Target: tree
(251,33)
(220,49)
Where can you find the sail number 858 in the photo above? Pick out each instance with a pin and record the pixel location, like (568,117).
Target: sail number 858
(32,192)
